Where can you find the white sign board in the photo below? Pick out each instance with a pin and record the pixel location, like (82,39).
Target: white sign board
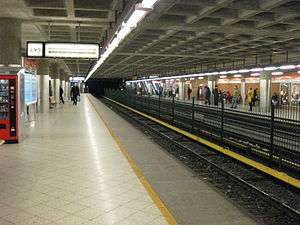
(76,79)
(35,49)
(71,50)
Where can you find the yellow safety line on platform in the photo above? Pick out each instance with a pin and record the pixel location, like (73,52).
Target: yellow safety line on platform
(1,142)
(265,169)
(153,195)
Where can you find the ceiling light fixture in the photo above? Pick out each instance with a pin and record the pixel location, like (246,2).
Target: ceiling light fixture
(141,10)
(255,74)
(270,68)
(244,71)
(287,67)
(277,73)
(14,65)
(257,70)
(237,75)
(232,72)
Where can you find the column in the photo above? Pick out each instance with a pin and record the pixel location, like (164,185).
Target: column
(67,87)
(10,41)
(243,90)
(43,72)
(54,73)
(181,89)
(63,82)
(211,83)
(265,91)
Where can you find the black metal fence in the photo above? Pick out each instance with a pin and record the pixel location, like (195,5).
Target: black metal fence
(274,138)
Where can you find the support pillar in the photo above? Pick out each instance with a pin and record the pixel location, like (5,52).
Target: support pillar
(181,89)
(63,82)
(10,44)
(211,83)
(265,91)
(54,73)
(67,87)
(43,72)
(243,90)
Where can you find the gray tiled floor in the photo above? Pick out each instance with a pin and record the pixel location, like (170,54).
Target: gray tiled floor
(69,171)
(191,200)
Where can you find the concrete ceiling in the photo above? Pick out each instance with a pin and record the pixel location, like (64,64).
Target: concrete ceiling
(63,21)
(182,36)
(178,36)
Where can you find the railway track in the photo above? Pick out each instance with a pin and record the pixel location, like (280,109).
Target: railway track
(266,199)
(251,132)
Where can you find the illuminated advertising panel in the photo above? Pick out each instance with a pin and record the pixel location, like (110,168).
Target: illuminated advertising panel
(63,50)
(35,49)
(30,88)
(71,50)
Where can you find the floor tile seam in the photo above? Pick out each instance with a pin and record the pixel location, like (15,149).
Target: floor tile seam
(152,194)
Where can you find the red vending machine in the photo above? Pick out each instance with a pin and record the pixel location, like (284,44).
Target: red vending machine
(9,108)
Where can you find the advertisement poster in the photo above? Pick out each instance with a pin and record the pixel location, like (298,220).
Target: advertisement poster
(30,88)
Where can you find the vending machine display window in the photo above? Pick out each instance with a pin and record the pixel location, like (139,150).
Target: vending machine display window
(4,101)
(8,108)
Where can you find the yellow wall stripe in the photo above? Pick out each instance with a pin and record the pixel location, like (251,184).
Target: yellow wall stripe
(265,169)
(153,195)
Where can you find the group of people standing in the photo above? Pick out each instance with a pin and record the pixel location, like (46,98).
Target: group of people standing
(74,93)
(233,98)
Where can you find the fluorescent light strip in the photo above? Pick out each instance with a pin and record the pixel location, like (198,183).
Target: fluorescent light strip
(244,71)
(237,75)
(287,67)
(138,15)
(14,65)
(270,68)
(257,70)
(254,74)
(278,73)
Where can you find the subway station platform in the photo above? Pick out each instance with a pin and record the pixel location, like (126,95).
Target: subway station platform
(85,165)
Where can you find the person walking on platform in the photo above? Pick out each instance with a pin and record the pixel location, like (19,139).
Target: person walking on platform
(74,94)
(189,92)
(207,95)
(235,96)
(216,95)
(250,96)
(61,95)
(255,96)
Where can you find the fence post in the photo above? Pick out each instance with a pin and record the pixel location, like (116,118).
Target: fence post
(173,109)
(159,102)
(193,113)
(222,121)
(272,133)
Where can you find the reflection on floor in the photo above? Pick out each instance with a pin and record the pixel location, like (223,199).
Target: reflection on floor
(69,171)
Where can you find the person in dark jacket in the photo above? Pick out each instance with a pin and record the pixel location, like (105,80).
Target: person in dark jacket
(189,92)
(207,95)
(74,94)
(275,99)
(61,95)
(216,95)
